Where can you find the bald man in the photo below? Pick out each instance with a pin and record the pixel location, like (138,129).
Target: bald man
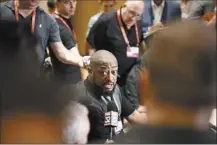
(120,32)
(99,89)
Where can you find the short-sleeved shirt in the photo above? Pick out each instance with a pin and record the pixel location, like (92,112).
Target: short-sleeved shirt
(106,34)
(66,72)
(97,108)
(46,28)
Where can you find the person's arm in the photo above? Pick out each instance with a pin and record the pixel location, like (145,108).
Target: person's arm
(97,35)
(65,55)
(131,113)
(131,86)
(56,45)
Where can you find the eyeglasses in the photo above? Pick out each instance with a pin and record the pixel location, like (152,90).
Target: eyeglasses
(105,73)
(134,14)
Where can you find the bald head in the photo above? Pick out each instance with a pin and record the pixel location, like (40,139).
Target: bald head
(103,70)
(103,56)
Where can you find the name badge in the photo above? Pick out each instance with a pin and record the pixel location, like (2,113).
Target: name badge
(119,127)
(133,52)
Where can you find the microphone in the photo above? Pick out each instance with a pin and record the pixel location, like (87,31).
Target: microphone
(111,118)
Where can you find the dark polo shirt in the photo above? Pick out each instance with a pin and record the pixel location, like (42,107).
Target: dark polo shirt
(106,34)
(46,28)
(92,98)
(66,73)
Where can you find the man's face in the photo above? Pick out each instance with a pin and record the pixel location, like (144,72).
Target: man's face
(133,13)
(30,4)
(67,7)
(109,3)
(104,74)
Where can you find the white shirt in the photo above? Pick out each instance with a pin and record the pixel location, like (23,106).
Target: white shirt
(157,11)
(92,20)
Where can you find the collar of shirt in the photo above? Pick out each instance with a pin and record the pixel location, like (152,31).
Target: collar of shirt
(154,6)
(68,21)
(157,11)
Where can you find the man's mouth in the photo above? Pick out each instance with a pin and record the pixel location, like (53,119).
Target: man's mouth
(108,85)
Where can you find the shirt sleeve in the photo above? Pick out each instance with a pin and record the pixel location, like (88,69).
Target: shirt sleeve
(131,86)
(97,35)
(127,108)
(141,25)
(54,34)
(67,39)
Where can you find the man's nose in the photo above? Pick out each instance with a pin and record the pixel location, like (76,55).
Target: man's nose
(72,4)
(109,76)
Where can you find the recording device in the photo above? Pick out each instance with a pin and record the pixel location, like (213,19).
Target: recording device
(111,118)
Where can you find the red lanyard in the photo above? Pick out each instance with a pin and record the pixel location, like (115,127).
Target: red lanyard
(64,22)
(17,15)
(123,31)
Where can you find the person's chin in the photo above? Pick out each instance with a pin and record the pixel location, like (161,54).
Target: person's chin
(32,6)
(72,13)
(108,90)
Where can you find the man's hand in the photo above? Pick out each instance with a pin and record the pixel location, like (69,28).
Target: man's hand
(155,27)
(141,109)
(86,61)
(109,141)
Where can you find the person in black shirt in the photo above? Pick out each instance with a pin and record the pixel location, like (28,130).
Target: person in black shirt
(99,89)
(43,25)
(179,87)
(65,9)
(114,30)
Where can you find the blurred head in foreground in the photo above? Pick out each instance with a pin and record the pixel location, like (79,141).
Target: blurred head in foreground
(179,83)
(76,126)
(31,105)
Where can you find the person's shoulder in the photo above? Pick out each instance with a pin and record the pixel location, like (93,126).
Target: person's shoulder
(96,16)
(5,5)
(107,17)
(46,15)
(83,95)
